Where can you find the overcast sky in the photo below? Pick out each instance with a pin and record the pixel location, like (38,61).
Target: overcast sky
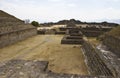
(55,10)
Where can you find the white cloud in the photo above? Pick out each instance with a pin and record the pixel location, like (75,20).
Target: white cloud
(55,0)
(114,0)
(71,5)
(30,9)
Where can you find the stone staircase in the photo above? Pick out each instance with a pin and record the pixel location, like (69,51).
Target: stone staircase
(95,64)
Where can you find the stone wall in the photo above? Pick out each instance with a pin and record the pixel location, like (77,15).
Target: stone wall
(35,69)
(41,32)
(60,32)
(96,65)
(12,34)
(13,29)
(94,32)
(113,43)
(10,19)
(110,59)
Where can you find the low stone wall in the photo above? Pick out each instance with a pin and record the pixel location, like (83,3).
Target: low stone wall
(92,33)
(14,36)
(34,69)
(71,41)
(96,65)
(60,33)
(113,43)
(40,32)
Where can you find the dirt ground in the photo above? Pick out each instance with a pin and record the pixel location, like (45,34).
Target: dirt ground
(62,58)
(93,41)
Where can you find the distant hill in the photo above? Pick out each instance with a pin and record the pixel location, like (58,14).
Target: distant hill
(61,22)
(67,21)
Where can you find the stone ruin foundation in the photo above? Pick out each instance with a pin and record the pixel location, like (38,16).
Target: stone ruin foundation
(34,69)
(100,62)
(113,43)
(73,35)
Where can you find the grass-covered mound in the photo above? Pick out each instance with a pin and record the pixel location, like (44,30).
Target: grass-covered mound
(115,32)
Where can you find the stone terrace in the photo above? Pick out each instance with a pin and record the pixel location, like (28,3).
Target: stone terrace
(13,29)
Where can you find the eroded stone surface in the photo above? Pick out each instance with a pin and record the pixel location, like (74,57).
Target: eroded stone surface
(33,69)
(110,59)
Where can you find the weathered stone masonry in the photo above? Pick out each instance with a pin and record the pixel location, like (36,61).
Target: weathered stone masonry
(9,36)
(95,64)
(113,43)
(13,29)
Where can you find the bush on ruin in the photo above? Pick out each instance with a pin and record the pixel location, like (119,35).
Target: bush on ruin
(35,23)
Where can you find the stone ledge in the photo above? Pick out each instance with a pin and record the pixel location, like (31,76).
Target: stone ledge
(34,69)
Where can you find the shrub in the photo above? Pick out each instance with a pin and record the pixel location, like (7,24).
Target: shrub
(35,23)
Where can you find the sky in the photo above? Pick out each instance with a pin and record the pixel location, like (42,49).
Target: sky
(55,10)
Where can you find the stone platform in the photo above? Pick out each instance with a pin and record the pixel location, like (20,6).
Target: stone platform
(34,69)
(73,36)
(72,40)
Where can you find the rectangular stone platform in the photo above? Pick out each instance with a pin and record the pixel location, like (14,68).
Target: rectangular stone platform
(72,40)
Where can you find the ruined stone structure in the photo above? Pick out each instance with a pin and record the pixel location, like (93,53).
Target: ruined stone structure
(59,31)
(95,64)
(113,43)
(35,69)
(94,32)
(87,31)
(41,31)
(110,59)
(13,29)
(101,63)
(73,35)
(112,40)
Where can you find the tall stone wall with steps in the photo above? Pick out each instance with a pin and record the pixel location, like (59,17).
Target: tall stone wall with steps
(96,65)
(10,19)
(13,29)
(113,43)
(12,36)
(110,59)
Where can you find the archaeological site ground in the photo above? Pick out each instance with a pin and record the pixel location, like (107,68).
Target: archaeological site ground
(66,49)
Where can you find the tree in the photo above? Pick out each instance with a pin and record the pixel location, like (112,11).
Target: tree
(35,23)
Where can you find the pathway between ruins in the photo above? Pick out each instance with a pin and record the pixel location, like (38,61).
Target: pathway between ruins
(62,58)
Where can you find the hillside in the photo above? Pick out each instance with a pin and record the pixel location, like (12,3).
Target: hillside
(63,22)
(115,32)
